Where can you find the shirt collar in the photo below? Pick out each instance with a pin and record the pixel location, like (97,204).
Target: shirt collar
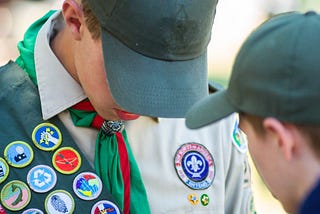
(58,90)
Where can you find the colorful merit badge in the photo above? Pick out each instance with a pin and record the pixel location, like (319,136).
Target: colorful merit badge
(46,136)
(18,154)
(59,201)
(66,160)
(41,178)
(4,170)
(238,138)
(105,207)
(87,186)
(15,195)
(195,166)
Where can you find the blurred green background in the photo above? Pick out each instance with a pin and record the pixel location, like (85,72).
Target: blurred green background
(234,21)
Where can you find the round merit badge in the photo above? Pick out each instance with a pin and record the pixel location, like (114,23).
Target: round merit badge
(195,166)
(59,201)
(46,136)
(105,206)
(66,160)
(4,170)
(87,186)
(41,178)
(15,195)
(18,154)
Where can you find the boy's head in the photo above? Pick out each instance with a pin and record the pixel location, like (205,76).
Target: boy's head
(275,89)
(154,52)
(275,74)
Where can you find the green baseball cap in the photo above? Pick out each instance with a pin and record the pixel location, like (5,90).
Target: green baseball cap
(155,52)
(276,74)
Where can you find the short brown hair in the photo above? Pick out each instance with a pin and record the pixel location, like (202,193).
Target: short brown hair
(91,20)
(310,132)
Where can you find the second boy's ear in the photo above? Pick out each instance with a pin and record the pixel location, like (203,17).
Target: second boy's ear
(73,16)
(282,137)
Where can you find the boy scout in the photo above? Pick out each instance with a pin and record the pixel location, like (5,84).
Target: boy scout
(86,67)
(274,87)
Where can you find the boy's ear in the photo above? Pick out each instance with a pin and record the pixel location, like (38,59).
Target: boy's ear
(73,16)
(282,134)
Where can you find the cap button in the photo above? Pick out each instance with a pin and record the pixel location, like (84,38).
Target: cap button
(309,13)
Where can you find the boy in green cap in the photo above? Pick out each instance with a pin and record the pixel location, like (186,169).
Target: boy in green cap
(83,70)
(274,87)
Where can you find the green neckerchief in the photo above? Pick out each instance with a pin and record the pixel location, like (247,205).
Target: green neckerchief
(107,169)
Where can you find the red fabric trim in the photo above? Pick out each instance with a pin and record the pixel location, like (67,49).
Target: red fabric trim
(84,106)
(125,168)
(97,122)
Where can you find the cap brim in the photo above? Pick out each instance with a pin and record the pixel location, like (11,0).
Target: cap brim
(209,110)
(153,87)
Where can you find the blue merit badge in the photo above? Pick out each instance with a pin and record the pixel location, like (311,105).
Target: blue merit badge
(105,207)
(195,166)
(41,178)
(18,154)
(46,136)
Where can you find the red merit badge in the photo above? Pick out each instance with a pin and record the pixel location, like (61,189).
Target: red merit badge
(66,160)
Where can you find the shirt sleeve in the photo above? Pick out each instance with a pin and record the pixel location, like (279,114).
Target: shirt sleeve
(238,192)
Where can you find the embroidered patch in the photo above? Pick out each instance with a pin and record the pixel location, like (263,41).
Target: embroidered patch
(4,170)
(41,178)
(46,136)
(59,201)
(193,199)
(15,195)
(105,207)
(87,186)
(66,160)
(18,154)
(204,199)
(238,138)
(32,211)
(195,166)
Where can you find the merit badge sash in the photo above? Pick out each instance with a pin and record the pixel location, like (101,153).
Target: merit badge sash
(41,168)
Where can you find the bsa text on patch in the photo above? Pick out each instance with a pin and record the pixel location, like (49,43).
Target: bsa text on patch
(195,166)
